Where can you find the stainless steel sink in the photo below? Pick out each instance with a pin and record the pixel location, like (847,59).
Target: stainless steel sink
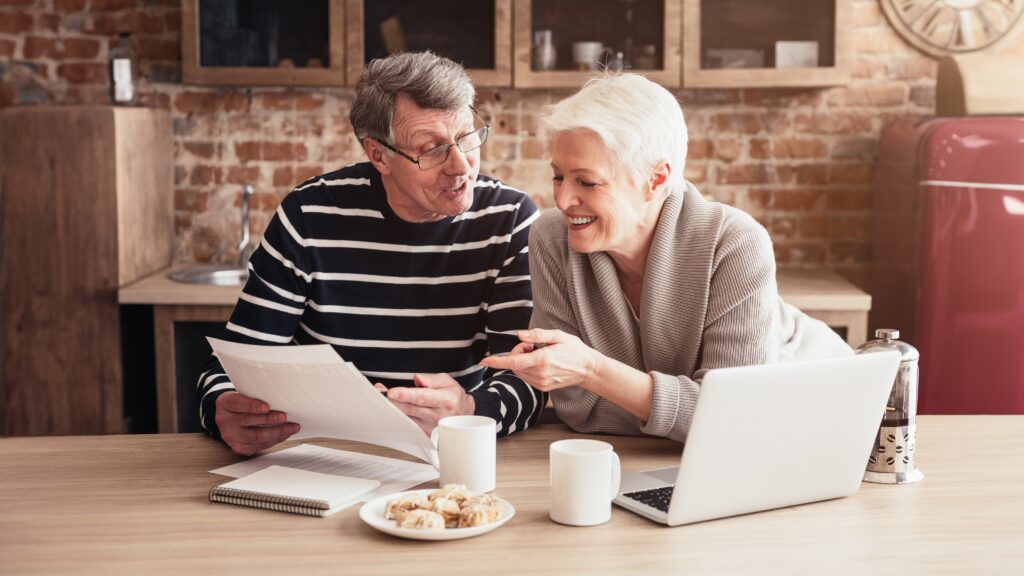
(213,274)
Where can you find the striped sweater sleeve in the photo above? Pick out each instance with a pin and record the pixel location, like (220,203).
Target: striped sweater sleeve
(269,307)
(513,403)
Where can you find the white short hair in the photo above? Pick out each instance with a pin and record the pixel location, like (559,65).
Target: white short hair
(639,122)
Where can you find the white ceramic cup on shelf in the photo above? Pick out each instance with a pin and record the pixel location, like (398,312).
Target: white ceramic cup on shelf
(585,476)
(466,451)
(587,55)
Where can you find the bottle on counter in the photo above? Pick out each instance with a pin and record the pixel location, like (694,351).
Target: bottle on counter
(892,457)
(122,70)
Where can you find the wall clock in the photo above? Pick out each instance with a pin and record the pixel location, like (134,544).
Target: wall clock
(941,27)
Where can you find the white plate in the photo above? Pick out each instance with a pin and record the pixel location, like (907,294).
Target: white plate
(373,514)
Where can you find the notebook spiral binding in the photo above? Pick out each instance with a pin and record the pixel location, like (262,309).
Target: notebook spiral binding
(306,506)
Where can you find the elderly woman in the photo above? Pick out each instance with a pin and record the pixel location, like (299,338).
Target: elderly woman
(641,286)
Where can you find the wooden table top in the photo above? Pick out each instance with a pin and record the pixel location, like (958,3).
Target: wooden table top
(138,504)
(807,289)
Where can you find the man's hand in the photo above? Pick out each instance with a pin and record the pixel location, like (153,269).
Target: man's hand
(563,361)
(436,396)
(248,425)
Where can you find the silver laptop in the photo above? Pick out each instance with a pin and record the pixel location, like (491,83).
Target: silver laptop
(764,437)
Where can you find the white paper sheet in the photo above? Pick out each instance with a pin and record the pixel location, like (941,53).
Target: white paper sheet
(394,475)
(324,394)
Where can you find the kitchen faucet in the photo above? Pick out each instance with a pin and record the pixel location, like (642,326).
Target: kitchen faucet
(245,247)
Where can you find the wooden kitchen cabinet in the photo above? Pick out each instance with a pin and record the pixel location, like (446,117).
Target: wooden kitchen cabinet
(263,42)
(86,206)
(475,33)
(645,32)
(736,43)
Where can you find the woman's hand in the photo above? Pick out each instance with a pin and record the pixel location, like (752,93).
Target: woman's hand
(563,361)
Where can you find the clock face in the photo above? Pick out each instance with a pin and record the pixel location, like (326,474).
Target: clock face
(953,26)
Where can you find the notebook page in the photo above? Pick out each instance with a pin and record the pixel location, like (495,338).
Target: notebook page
(294,483)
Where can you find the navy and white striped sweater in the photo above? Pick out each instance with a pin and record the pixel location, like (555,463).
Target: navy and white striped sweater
(337,266)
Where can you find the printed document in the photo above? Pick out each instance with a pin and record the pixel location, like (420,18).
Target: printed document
(324,394)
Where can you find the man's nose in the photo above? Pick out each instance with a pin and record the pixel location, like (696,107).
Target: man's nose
(458,161)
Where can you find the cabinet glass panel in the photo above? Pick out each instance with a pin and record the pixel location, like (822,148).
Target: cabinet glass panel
(774,34)
(462,30)
(264,33)
(570,35)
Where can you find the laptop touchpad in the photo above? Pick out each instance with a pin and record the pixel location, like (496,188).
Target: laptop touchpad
(666,475)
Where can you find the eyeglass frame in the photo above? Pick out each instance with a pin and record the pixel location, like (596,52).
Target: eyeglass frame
(486,130)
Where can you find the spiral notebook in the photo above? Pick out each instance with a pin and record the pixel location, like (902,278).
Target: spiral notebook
(292,490)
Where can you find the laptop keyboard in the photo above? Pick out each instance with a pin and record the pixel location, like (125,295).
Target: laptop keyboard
(658,498)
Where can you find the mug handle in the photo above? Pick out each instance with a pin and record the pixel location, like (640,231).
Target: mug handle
(616,475)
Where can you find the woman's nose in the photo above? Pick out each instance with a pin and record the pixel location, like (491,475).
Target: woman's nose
(565,199)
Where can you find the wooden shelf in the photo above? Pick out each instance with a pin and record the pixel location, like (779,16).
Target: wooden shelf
(193,72)
(800,24)
(500,75)
(526,77)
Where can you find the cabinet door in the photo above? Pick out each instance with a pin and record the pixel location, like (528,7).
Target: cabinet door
(263,42)
(759,43)
(475,33)
(561,43)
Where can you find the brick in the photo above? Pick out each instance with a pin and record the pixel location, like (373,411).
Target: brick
(868,67)
(157,49)
(83,73)
(850,251)
(144,23)
(48,22)
(180,174)
(759,197)
(696,172)
(865,14)
(284,176)
(243,175)
(800,148)
(881,39)
(727,149)
(7,48)
(15,22)
(745,174)
(7,95)
(800,253)
(850,226)
(760,148)
(112,4)
(848,200)
(201,149)
(283,151)
(832,122)
(264,202)
(534,149)
(800,200)
(81,48)
(856,173)
(698,149)
(69,5)
(784,97)
(208,101)
(275,101)
(781,227)
(39,47)
(108,23)
(864,148)
(190,199)
(248,151)
(743,122)
(887,94)
(814,174)
(914,68)
(813,226)
(204,175)
(923,96)
(172,22)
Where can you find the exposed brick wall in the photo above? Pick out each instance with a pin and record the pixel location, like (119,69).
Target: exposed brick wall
(800,160)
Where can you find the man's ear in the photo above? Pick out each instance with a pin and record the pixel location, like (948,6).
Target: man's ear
(377,155)
(656,184)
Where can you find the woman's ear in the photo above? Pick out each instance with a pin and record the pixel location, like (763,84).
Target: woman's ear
(658,181)
(375,152)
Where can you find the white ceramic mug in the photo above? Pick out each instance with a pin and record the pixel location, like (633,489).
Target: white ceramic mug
(587,55)
(465,447)
(585,477)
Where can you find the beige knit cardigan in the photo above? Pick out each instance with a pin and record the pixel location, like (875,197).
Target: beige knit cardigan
(709,300)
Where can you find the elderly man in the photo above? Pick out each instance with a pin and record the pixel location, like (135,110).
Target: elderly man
(412,265)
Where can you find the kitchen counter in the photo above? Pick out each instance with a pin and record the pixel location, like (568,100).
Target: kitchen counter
(821,294)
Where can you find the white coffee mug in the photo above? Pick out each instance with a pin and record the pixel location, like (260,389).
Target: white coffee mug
(588,54)
(465,447)
(585,477)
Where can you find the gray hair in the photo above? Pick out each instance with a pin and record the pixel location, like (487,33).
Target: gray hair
(431,81)
(639,122)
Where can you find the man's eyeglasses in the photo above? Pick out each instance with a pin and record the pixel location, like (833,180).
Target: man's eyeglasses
(439,154)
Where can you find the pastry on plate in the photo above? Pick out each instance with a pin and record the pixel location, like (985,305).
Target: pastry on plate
(395,509)
(420,519)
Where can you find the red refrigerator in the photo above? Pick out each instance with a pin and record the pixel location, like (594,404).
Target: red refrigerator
(949,258)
